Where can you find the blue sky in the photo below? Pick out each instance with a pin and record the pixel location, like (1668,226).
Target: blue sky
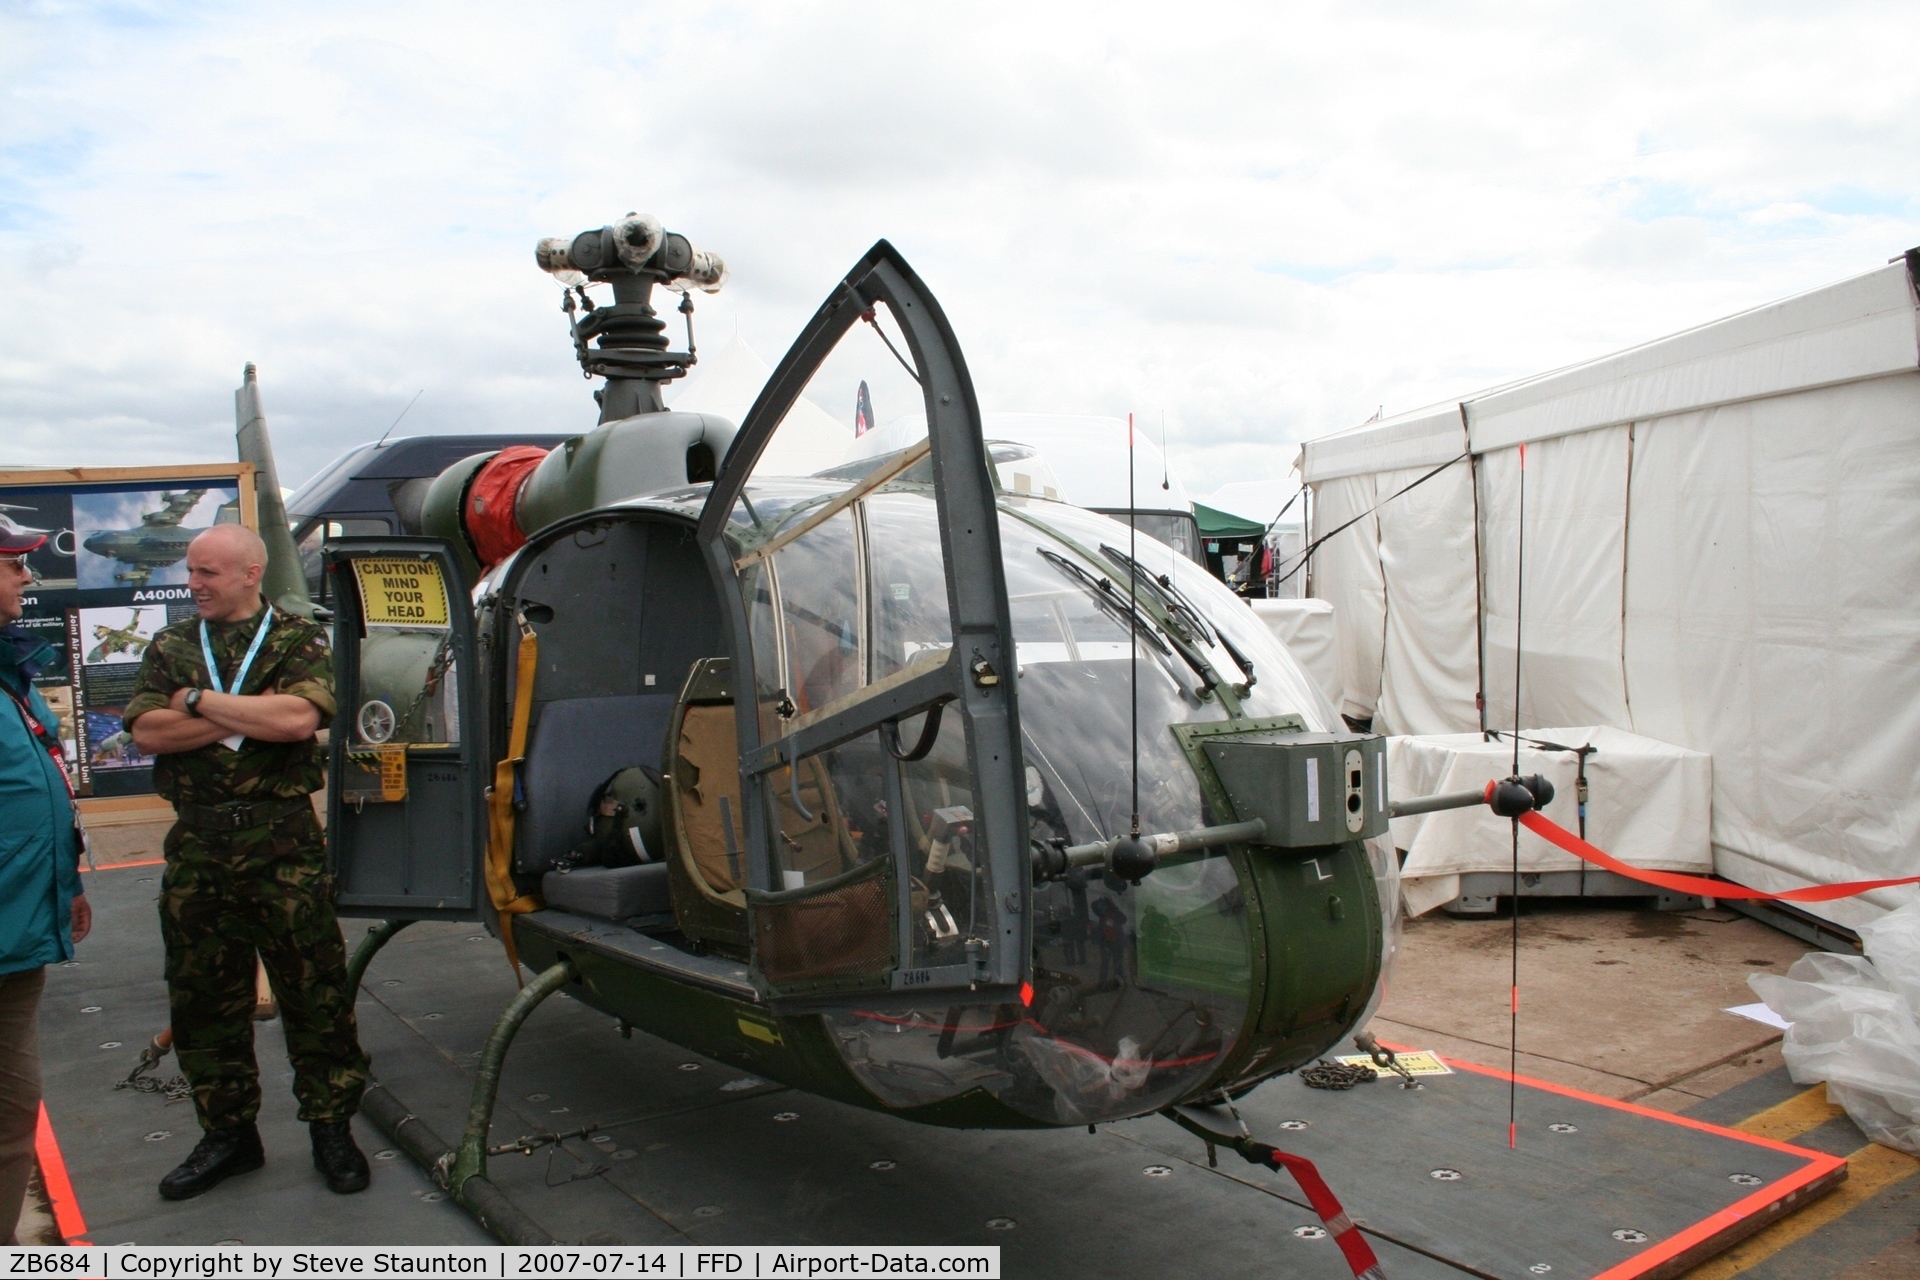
(1263,221)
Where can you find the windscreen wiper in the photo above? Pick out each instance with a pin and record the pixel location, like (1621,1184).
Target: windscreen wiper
(1126,610)
(1180,610)
(1178,607)
(1121,608)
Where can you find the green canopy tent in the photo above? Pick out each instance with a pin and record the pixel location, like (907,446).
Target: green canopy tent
(1224,534)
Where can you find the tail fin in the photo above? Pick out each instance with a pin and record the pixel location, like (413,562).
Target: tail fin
(284,585)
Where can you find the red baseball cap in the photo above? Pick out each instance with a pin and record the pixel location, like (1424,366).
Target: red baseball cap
(15,540)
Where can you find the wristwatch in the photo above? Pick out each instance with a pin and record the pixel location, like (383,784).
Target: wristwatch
(193,701)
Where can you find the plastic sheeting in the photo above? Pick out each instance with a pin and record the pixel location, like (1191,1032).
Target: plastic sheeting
(1309,631)
(1648,804)
(1856,1027)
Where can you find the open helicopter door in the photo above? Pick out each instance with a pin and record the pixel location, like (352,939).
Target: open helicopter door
(882,797)
(404,779)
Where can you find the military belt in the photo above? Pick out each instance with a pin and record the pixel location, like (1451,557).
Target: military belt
(239,815)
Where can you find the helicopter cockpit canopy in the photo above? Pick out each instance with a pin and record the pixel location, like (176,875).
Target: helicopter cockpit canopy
(859,588)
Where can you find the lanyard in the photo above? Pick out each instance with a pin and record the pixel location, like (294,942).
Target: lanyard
(240,677)
(39,732)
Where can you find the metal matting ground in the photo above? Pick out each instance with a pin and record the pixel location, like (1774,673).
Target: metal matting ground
(694,1152)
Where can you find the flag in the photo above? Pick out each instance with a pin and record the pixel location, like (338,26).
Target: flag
(862,412)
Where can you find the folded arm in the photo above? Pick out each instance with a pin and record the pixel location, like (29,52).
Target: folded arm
(264,717)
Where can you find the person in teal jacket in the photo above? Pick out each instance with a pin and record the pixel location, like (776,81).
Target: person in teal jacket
(43,910)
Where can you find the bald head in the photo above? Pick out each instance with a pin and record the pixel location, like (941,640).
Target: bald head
(224,568)
(237,541)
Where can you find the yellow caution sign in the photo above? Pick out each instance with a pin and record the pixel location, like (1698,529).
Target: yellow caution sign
(1418,1062)
(375,775)
(393,771)
(402,593)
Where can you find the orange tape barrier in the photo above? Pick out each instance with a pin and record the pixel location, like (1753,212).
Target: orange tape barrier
(1701,886)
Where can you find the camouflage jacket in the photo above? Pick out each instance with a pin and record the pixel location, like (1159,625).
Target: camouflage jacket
(294,659)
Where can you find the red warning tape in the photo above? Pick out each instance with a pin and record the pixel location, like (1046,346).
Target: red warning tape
(1702,886)
(1360,1258)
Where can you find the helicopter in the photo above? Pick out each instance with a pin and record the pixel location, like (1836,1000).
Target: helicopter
(158,543)
(888,783)
(118,640)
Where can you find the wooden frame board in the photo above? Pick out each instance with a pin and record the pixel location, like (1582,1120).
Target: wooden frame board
(109,575)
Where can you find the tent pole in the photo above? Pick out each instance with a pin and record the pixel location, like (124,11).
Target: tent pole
(1479,585)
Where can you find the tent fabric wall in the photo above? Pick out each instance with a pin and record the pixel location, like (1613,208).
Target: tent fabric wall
(1428,667)
(1576,560)
(1773,620)
(1309,630)
(1723,553)
(1346,572)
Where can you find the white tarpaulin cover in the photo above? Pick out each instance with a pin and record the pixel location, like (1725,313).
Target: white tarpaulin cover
(1308,630)
(1647,804)
(1722,551)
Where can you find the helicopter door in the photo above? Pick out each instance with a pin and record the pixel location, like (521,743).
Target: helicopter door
(882,802)
(404,793)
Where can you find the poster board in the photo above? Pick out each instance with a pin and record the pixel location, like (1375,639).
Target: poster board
(112,573)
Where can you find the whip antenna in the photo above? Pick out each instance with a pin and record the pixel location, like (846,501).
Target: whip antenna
(1513,1017)
(1133,627)
(396,422)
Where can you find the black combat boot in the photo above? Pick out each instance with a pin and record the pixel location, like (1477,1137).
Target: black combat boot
(221,1154)
(337,1158)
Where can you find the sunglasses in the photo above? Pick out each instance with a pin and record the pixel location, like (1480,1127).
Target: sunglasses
(19,561)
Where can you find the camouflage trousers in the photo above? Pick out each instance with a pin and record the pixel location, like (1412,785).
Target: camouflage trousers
(225,897)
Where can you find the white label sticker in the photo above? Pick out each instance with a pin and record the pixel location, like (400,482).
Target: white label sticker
(1313,788)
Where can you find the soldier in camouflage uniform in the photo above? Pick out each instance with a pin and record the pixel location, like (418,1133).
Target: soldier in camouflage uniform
(246,869)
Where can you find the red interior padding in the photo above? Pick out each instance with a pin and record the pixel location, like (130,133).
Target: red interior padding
(490,502)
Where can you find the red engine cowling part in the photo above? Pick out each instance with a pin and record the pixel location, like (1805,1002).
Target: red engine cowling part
(491,498)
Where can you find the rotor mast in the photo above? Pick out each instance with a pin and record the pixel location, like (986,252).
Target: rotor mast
(625,342)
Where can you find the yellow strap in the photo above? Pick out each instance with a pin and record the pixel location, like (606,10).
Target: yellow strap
(507,898)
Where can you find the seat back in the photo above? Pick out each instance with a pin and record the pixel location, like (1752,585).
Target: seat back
(574,746)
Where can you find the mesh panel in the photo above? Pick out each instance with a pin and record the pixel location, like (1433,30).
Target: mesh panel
(841,933)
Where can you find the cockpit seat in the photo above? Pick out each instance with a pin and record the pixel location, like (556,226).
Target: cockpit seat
(574,745)
(610,893)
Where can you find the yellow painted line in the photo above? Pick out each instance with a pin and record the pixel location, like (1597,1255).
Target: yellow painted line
(1870,1170)
(1802,1113)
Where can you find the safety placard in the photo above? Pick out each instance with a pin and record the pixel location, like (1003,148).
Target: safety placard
(1418,1062)
(402,593)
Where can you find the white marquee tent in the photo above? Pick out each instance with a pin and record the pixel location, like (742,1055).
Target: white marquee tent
(728,382)
(1722,552)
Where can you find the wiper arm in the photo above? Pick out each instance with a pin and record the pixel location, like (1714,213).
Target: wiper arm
(1125,608)
(1180,609)
(1121,608)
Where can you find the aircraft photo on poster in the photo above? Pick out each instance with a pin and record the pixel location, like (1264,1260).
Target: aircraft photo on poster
(119,635)
(48,511)
(139,537)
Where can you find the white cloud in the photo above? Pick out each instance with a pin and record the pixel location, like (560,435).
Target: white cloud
(1264,222)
